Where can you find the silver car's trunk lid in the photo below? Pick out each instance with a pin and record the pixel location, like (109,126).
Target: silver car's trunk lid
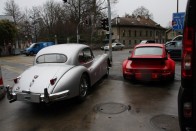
(38,77)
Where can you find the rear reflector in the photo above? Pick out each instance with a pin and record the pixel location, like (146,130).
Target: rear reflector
(187,62)
(187,110)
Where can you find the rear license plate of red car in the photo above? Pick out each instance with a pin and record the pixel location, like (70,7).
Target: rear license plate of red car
(28,97)
(146,76)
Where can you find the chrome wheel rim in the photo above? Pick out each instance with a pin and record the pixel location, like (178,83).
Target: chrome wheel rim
(83,87)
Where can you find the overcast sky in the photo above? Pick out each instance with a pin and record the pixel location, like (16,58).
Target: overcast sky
(162,10)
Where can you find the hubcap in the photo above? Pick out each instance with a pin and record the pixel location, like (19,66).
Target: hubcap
(83,87)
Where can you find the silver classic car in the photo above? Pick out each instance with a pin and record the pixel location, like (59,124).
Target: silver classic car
(59,72)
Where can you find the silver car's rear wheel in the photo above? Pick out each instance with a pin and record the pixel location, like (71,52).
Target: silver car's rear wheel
(83,87)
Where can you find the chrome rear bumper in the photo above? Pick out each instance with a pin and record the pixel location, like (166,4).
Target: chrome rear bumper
(35,97)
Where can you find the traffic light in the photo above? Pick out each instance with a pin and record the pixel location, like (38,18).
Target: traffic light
(104,24)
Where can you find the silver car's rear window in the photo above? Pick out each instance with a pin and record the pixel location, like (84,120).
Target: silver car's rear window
(148,51)
(51,58)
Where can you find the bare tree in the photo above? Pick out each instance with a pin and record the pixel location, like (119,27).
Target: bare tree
(61,19)
(12,9)
(142,11)
(50,14)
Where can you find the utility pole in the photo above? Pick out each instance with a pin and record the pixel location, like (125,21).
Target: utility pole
(78,36)
(109,23)
(177,5)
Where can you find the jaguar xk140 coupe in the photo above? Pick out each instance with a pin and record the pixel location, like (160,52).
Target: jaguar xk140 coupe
(59,72)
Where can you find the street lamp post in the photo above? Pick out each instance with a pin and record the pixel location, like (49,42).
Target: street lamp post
(118,26)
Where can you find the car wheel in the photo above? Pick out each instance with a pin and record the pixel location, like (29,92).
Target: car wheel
(83,88)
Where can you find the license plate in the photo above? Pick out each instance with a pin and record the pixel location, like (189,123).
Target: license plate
(146,76)
(28,97)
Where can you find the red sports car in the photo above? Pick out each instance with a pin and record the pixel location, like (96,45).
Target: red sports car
(149,62)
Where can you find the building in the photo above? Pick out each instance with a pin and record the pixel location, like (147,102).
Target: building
(170,34)
(131,30)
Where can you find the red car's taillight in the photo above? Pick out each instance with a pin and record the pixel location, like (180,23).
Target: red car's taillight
(128,67)
(188,40)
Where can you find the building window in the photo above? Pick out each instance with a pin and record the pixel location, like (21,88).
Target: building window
(135,33)
(129,32)
(129,42)
(140,33)
(150,33)
(146,33)
(135,41)
(124,42)
(156,33)
(123,33)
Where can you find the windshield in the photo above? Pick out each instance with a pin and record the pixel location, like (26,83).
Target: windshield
(32,45)
(51,58)
(148,51)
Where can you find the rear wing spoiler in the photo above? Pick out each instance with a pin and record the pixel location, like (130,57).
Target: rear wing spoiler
(131,58)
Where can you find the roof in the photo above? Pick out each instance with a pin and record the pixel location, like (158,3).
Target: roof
(64,48)
(6,17)
(135,21)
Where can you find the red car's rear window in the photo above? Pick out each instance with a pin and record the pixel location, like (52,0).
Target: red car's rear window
(148,51)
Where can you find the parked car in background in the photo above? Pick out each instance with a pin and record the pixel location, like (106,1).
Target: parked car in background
(178,38)
(36,47)
(59,72)
(149,62)
(174,48)
(115,46)
(187,91)
(147,41)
